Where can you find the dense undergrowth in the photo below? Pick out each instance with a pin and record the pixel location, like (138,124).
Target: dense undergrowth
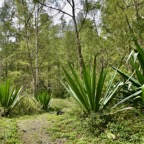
(73,126)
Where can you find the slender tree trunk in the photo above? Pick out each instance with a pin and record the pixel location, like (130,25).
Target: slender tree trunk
(95,25)
(48,80)
(30,60)
(138,20)
(59,75)
(36,51)
(80,57)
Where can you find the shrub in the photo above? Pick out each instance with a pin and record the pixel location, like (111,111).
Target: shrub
(9,96)
(96,123)
(44,99)
(133,87)
(27,106)
(88,89)
(124,130)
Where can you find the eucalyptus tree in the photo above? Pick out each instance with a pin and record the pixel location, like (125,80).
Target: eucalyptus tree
(74,6)
(26,30)
(89,39)
(7,37)
(32,19)
(52,56)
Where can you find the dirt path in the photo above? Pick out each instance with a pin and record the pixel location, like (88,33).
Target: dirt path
(33,130)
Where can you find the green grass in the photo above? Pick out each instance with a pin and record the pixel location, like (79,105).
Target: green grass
(70,127)
(126,126)
(8,131)
(71,130)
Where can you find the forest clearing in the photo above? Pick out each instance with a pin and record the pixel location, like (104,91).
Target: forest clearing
(71,72)
(69,127)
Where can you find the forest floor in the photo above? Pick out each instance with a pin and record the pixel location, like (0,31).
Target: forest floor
(68,128)
(33,129)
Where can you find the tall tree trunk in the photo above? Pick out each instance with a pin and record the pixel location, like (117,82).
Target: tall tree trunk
(73,16)
(79,48)
(36,50)
(48,80)
(30,60)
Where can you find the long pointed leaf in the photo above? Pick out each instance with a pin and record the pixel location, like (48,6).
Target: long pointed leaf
(140,76)
(75,88)
(141,53)
(143,92)
(79,84)
(112,94)
(100,85)
(129,97)
(127,77)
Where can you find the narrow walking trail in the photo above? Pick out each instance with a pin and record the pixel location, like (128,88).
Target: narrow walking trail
(33,130)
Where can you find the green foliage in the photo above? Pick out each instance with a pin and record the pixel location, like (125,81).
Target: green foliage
(27,106)
(67,129)
(88,90)
(124,130)
(61,104)
(96,123)
(8,132)
(9,96)
(44,99)
(134,84)
(121,128)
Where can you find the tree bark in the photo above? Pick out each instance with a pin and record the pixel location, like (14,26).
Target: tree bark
(36,50)
(30,60)
(79,48)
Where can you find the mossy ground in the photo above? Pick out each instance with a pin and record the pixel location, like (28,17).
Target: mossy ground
(70,127)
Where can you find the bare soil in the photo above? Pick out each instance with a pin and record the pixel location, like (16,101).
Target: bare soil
(33,130)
